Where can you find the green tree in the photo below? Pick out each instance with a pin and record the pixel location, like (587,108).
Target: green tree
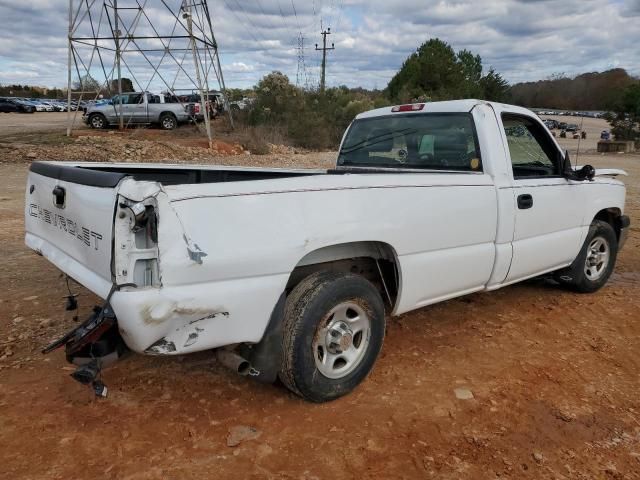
(625,124)
(494,87)
(87,83)
(436,72)
(127,86)
(276,99)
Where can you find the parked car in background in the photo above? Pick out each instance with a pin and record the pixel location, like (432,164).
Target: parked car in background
(572,127)
(37,105)
(137,108)
(45,107)
(244,104)
(214,106)
(21,105)
(8,107)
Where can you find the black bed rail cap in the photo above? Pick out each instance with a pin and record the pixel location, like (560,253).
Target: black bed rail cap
(77,174)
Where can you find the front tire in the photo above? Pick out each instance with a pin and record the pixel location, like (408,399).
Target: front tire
(333,331)
(98,121)
(594,264)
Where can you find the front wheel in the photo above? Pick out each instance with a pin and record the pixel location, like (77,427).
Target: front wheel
(594,264)
(332,334)
(97,121)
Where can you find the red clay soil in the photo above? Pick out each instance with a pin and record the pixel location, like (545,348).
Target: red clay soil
(555,380)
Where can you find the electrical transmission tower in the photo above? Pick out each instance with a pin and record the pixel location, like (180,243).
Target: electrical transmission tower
(166,44)
(301,73)
(324,49)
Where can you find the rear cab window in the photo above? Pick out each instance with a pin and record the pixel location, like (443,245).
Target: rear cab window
(429,141)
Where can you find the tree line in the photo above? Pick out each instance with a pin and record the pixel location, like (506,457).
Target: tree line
(589,91)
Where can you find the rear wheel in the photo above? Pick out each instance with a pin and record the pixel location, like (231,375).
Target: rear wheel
(168,121)
(594,264)
(97,121)
(333,332)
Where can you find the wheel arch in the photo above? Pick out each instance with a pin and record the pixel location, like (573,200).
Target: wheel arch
(612,216)
(375,260)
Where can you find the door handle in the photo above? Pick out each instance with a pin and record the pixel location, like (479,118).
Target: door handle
(525,201)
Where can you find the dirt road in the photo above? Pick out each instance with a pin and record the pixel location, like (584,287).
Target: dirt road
(38,121)
(555,379)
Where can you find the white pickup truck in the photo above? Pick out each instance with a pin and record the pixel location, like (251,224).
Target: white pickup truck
(291,273)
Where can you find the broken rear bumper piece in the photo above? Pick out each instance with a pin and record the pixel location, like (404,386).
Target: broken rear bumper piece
(96,339)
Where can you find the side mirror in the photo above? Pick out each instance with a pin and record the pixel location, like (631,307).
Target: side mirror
(587,172)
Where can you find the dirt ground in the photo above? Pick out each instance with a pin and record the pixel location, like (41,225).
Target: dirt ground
(555,377)
(37,121)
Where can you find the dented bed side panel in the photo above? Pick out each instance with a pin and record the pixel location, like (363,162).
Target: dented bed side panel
(189,318)
(225,259)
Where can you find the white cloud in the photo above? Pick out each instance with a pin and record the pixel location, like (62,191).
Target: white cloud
(524,40)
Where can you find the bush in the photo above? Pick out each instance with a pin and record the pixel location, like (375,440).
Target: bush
(311,119)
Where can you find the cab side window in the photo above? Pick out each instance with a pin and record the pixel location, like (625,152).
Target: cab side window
(533,153)
(135,99)
(116,99)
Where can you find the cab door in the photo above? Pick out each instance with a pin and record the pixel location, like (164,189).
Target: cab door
(136,108)
(548,209)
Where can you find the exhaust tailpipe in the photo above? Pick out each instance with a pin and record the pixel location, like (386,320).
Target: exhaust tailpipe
(233,361)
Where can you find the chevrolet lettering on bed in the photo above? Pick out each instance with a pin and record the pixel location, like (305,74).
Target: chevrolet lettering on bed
(88,237)
(291,274)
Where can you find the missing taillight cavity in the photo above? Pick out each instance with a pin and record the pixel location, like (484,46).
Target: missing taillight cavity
(136,237)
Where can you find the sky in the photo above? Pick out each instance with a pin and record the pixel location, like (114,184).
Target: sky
(523,40)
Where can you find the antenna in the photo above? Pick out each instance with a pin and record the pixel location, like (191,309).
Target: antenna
(579,138)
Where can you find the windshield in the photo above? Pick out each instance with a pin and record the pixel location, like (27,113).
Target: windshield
(440,141)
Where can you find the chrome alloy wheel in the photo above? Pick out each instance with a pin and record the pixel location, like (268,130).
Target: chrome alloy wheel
(168,123)
(97,121)
(341,340)
(598,255)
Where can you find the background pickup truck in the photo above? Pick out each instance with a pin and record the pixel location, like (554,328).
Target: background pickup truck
(137,108)
(291,273)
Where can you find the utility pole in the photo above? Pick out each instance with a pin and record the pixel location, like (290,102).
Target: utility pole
(324,55)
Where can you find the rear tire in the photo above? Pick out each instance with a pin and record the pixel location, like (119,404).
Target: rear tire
(594,264)
(333,331)
(168,121)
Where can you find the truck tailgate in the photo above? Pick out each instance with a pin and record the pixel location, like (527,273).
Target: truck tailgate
(69,216)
